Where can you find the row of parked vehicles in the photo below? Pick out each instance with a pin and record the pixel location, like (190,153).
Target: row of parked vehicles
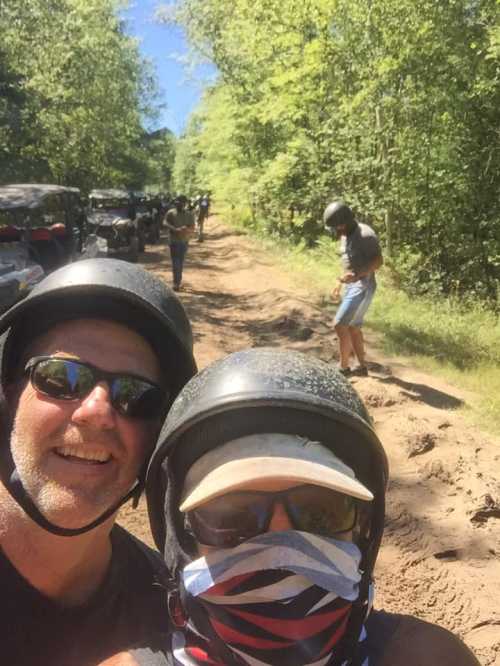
(43,227)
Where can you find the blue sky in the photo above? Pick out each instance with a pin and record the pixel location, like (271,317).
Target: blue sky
(165,46)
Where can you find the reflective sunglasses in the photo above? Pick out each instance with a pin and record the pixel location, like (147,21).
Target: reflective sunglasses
(68,379)
(228,520)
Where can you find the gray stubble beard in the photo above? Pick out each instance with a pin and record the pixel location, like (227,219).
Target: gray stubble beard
(60,504)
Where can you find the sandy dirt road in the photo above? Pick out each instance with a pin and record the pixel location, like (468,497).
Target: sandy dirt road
(441,550)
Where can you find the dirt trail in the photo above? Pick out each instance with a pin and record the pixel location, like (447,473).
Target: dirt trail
(440,555)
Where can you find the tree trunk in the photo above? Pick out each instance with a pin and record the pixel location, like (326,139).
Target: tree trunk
(389,232)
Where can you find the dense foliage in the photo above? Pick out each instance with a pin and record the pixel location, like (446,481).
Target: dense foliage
(75,94)
(392,105)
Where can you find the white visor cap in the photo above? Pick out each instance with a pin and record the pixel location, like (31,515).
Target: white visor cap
(238,464)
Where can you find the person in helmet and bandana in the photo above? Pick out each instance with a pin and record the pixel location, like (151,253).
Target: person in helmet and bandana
(361,257)
(266,495)
(91,361)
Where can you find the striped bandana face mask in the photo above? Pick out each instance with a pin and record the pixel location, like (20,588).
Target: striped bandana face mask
(279,598)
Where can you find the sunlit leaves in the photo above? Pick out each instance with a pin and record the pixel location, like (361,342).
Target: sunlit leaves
(390,104)
(86,91)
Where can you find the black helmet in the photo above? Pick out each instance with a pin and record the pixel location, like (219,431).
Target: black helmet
(104,289)
(259,391)
(338,213)
(265,391)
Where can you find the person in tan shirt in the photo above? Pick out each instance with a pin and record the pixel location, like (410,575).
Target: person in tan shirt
(266,495)
(180,225)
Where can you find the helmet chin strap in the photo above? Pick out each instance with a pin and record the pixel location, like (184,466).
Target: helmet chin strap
(17,491)
(14,485)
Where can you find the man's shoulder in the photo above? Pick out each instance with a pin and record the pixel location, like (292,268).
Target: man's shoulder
(136,553)
(365,231)
(138,583)
(414,642)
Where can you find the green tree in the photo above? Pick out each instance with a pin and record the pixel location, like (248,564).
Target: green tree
(83,93)
(160,147)
(389,104)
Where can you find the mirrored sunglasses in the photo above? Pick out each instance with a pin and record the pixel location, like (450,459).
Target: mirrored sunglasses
(70,379)
(228,520)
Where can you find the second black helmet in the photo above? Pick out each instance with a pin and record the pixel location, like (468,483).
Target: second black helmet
(262,391)
(338,213)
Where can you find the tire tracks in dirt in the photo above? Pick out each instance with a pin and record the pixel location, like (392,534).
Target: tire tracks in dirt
(435,562)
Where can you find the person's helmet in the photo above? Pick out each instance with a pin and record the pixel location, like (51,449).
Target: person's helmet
(338,213)
(262,391)
(265,391)
(101,289)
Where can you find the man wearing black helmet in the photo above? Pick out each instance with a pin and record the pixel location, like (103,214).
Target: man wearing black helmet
(361,257)
(90,363)
(270,510)
(180,225)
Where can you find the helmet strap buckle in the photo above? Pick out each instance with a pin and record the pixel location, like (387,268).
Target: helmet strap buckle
(175,609)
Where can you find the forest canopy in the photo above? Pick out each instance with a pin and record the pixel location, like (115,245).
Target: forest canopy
(75,97)
(391,105)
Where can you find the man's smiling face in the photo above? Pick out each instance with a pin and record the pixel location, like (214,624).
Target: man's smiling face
(77,458)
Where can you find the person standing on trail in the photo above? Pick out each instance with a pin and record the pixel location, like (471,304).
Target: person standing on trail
(361,257)
(90,363)
(266,495)
(203,213)
(180,224)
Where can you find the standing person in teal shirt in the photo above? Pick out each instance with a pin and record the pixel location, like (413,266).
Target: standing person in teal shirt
(180,225)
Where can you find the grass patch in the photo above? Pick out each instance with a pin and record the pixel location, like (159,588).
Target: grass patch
(464,336)
(457,340)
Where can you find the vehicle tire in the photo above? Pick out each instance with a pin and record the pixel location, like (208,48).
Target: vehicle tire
(133,253)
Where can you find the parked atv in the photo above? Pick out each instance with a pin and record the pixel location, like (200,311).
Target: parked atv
(112,216)
(42,227)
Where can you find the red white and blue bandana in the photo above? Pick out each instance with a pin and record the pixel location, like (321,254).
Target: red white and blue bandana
(279,598)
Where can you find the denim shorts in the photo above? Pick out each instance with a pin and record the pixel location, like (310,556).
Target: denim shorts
(355,303)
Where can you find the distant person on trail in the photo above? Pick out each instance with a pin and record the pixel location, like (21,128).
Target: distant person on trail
(203,213)
(266,495)
(90,362)
(361,257)
(180,224)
